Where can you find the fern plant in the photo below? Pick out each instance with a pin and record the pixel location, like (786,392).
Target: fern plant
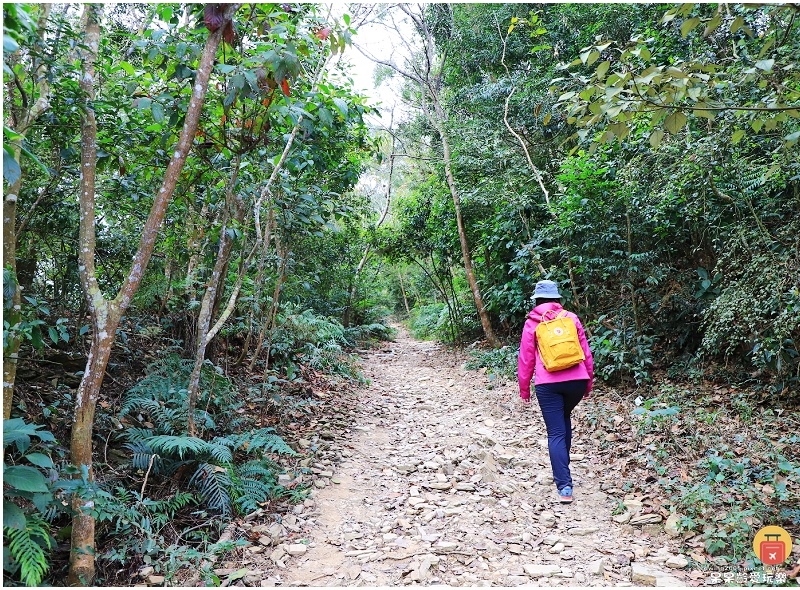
(161,398)
(213,465)
(29,548)
(26,532)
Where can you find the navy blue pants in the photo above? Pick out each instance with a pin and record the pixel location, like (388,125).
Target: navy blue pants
(557,400)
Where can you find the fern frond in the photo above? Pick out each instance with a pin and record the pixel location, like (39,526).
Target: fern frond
(257,440)
(214,484)
(28,548)
(170,445)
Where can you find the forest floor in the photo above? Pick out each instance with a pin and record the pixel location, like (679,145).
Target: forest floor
(442,477)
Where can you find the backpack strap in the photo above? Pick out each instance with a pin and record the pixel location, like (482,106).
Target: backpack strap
(560,314)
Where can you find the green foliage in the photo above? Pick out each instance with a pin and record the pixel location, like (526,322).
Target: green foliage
(304,337)
(621,353)
(500,362)
(28,550)
(231,471)
(28,500)
(429,321)
(162,396)
(632,83)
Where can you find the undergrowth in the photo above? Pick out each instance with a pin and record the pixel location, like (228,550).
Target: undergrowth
(724,465)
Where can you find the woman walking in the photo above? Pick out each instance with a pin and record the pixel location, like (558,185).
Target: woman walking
(557,391)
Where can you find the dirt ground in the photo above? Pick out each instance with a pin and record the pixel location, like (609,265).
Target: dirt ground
(443,478)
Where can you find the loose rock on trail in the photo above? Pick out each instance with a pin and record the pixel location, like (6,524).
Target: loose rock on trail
(445,479)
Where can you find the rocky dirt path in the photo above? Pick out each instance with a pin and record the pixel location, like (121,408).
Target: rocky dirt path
(444,480)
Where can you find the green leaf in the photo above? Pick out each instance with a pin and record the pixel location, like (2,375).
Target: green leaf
(40,460)
(346,19)
(792,138)
(688,25)
(158,112)
(765,64)
(656,137)
(9,45)
(53,334)
(675,122)
(601,70)
(11,169)
(142,103)
(737,136)
(13,516)
(225,68)
(24,478)
(341,106)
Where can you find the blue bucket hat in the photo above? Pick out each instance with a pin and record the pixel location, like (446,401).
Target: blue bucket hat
(546,290)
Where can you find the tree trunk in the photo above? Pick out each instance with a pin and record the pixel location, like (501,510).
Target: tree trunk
(403,291)
(81,564)
(13,315)
(216,283)
(462,234)
(106,314)
(20,121)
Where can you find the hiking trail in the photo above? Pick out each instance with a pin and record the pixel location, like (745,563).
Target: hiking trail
(444,478)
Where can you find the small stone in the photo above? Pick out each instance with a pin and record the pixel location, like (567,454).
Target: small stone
(278,554)
(551,540)
(145,571)
(438,485)
(677,562)
(596,568)
(336,480)
(541,570)
(622,518)
(642,519)
(583,531)
(644,574)
(557,548)
(303,443)
(515,549)
(547,518)
(284,479)
(669,581)
(465,486)
(154,580)
(671,526)
(265,540)
(296,549)
(634,506)
(444,547)
(580,578)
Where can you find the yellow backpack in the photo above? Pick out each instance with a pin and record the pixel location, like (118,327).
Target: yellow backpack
(558,343)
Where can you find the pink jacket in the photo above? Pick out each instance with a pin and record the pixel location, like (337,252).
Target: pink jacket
(529,354)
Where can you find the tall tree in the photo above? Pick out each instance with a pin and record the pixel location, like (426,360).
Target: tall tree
(426,72)
(106,313)
(21,116)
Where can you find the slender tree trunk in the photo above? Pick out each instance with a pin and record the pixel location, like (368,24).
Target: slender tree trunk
(106,314)
(196,233)
(216,283)
(403,291)
(462,234)
(13,315)
(20,121)
(259,287)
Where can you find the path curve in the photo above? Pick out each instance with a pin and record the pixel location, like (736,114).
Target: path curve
(445,480)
